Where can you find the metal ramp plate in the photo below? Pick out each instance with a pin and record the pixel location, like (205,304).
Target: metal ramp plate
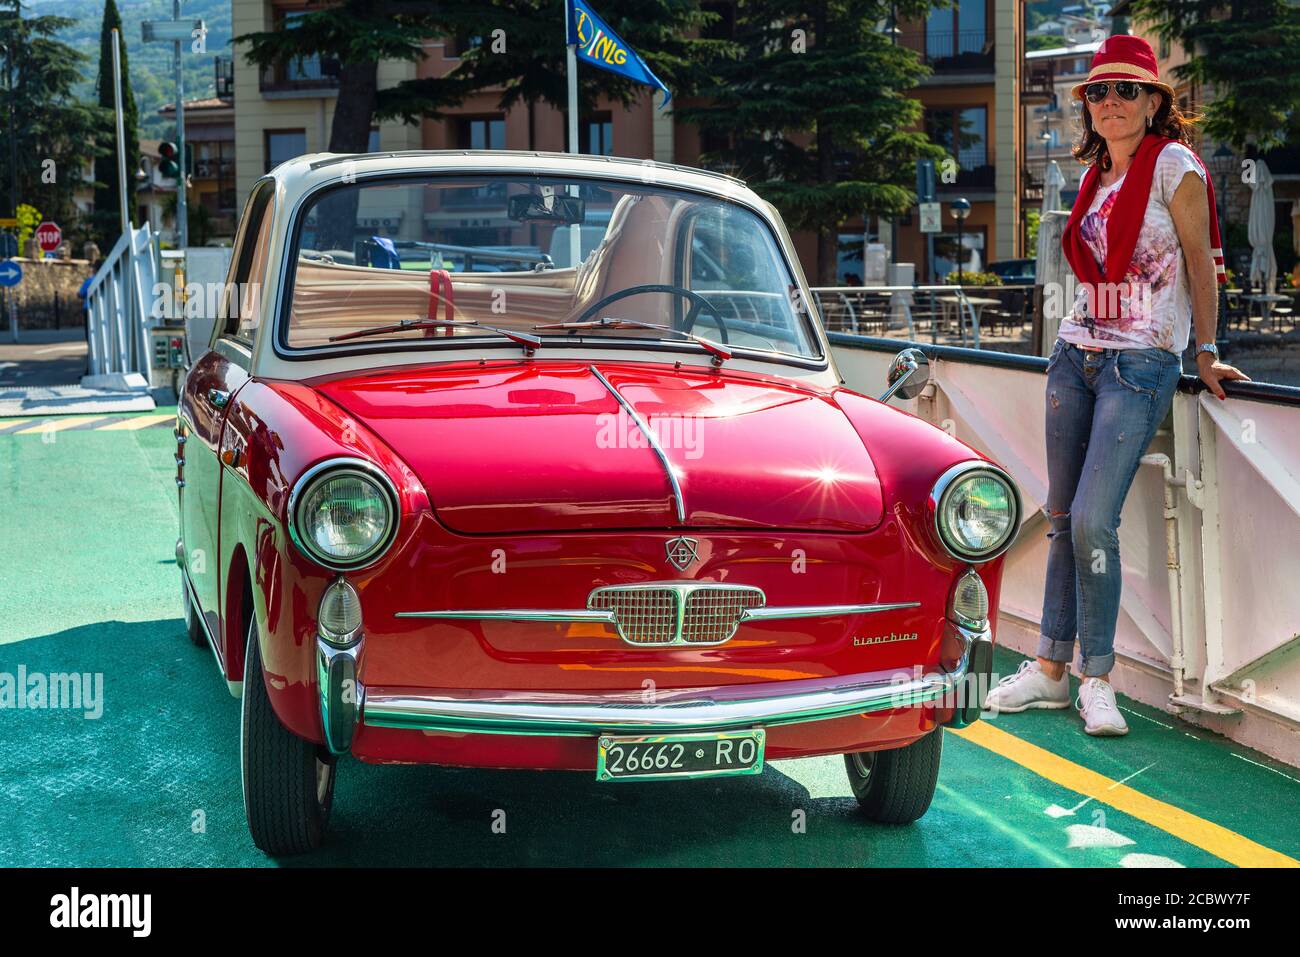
(70,399)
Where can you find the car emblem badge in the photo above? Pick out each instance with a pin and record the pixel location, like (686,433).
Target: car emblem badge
(681,552)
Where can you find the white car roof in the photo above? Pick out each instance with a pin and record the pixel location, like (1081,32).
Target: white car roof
(304,172)
(296,178)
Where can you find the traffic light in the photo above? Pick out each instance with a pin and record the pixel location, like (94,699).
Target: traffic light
(168,153)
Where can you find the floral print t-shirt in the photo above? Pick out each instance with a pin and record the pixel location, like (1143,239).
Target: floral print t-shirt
(1155,305)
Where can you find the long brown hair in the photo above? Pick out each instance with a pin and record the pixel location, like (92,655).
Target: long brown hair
(1168,121)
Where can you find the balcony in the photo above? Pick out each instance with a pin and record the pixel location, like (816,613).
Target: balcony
(1031,187)
(969,179)
(308,75)
(1039,84)
(477,197)
(214,169)
(951,52)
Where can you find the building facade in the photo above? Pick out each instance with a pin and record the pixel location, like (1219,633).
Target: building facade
(976,51)
(1052,120)
(210,161)
(972,107)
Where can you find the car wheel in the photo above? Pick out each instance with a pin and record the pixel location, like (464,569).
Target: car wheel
(896,786)
(288,782)
(192,624)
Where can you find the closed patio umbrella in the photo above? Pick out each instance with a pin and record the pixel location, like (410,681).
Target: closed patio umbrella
(1053,180)
(1260,222)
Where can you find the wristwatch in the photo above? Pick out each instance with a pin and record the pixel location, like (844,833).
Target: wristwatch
(1209,347)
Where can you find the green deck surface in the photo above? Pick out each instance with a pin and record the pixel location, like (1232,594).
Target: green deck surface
(89,584)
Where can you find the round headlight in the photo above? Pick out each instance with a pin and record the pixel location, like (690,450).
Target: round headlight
(977,510)
(343,515)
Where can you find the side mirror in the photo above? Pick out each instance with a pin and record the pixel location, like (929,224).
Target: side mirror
(909,373)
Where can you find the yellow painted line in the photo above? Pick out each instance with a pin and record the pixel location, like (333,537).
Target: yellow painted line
(1208,836)
(137,422)
(57,425)
(7,424)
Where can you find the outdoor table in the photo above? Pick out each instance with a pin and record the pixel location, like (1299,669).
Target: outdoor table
(1266,302)
(978,303)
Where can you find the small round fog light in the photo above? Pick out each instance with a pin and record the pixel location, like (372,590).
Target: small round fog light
(339,619)
(970,601)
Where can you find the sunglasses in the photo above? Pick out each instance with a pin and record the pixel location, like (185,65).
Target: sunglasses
(1127,90)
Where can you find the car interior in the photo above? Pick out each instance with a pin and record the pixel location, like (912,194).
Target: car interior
(645,255)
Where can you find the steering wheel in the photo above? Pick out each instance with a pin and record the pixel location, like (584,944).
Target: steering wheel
(698,303)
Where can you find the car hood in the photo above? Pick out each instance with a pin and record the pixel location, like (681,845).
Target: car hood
(541,447)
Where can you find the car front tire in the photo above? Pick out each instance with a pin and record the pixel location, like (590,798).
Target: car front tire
(288,782)
(896,786)
(192,624)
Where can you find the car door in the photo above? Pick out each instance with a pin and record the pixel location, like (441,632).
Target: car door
(210,386)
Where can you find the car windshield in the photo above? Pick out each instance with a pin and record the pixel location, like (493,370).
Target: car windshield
(518,252)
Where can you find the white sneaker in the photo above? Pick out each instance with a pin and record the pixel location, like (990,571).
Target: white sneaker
(1029,688)
(1096,703)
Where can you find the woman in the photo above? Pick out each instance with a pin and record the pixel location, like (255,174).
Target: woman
(1143,242)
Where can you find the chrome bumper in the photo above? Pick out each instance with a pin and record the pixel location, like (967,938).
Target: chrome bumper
(340,693)
(717,709)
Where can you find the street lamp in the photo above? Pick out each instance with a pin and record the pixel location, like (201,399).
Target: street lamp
(960,210)
(1222,163)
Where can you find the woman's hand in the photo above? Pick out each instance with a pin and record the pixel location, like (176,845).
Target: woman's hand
(1213,371)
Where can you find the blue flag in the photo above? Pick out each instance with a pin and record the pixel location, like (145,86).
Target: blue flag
(600,46)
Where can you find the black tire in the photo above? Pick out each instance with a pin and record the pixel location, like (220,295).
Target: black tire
(193,626)
(288,782)
(896,786)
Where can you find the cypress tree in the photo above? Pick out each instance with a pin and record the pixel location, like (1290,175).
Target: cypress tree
(108,203)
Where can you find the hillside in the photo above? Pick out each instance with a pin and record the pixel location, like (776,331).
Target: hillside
(151,66)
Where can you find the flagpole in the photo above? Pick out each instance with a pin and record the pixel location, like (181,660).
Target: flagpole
(571,63)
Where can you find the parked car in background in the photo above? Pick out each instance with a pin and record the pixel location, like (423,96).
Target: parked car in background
(1014,272)
(617,517)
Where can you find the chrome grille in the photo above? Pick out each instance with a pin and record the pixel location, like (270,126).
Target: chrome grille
(645,616)
(676,613)
(711,614)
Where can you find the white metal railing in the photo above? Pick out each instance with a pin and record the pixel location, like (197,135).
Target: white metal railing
(904,310)
(1209,625)
(119,308)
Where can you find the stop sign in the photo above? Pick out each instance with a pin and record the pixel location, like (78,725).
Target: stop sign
(48,236)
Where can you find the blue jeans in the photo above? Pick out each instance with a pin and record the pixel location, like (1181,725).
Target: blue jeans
(1102,410)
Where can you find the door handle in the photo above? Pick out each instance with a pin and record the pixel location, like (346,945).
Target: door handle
(217,398)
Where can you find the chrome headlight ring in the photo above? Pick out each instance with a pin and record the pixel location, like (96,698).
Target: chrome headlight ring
(332,468)
(947,483)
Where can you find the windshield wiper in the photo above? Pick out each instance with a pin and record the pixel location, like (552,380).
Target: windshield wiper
(530,343)
(720,352)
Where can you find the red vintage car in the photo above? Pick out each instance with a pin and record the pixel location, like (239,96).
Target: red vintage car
(528,460)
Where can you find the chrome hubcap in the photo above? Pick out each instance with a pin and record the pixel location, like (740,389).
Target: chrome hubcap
(323,772)
(862,762)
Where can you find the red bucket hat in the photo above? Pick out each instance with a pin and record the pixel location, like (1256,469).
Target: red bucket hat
(1123,57)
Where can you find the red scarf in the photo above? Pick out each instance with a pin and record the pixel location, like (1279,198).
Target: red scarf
(1125,223)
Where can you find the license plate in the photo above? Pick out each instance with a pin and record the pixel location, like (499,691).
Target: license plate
(679,755)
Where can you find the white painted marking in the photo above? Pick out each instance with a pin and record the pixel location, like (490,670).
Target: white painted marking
(1148,860)
(1088,835)
(1266,768)
(1167,727)
(1132,776)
